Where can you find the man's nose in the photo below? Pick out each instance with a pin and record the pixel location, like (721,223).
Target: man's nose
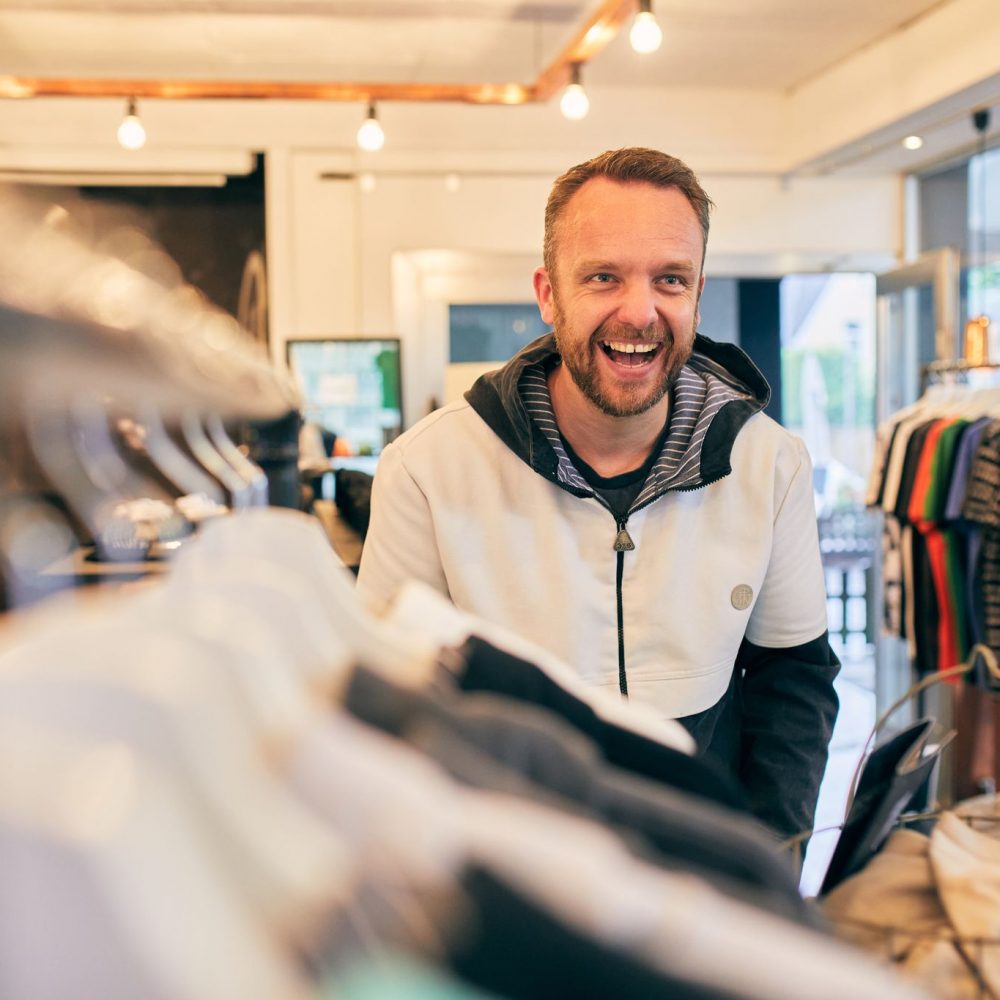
(637,306)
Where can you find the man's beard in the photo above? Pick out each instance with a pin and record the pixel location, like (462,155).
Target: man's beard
(625,400)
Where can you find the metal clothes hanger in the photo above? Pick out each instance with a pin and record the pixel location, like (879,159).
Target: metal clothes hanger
(72,443)
(249,471)
(193,432)
(187,475)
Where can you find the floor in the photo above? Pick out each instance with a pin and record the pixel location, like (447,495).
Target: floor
(856,689)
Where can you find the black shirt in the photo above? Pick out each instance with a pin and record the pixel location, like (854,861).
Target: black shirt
(618,492)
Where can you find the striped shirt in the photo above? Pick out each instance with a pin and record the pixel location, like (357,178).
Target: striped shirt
(982,505)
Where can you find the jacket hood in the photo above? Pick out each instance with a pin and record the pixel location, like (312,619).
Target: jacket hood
(496,398)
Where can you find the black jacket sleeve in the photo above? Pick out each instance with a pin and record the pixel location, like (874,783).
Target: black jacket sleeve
(789,707)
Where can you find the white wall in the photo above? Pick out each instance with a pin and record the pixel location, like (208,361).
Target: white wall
(389,261)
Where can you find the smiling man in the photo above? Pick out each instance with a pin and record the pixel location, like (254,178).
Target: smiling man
(615,494)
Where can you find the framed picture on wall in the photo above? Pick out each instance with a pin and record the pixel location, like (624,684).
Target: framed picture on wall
(352,389)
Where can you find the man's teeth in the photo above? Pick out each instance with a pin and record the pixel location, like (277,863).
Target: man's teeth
(630,347)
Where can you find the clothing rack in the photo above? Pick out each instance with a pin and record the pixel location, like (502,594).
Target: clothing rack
(933,371)
(959,393)
(109,312)
(263,807)
(98,332)
(957,364)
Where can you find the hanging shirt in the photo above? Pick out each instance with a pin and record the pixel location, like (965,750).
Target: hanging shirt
(967,535)
(982,504)
(941,646)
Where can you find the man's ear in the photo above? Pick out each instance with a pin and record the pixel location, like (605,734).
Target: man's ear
(697,308)
(544,295)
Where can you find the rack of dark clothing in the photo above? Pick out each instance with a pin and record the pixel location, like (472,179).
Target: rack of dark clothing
(936,478)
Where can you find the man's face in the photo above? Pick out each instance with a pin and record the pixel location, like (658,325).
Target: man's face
(624,298)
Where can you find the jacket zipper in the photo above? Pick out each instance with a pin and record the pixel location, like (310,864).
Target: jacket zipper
(623,544)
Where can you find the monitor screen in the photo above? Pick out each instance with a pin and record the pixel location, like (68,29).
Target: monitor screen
(352,388)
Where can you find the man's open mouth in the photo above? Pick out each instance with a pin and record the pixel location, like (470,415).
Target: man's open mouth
(631,353)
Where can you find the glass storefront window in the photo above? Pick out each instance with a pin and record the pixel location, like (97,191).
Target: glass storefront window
(983,253)
(828,379)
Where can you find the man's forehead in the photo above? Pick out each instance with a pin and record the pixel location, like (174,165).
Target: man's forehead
(601,199)
(602,187)
(603,210)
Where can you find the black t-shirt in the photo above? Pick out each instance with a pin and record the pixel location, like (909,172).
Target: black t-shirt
(619,492)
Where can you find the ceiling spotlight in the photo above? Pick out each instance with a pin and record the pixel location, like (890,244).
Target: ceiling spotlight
(452,182)
(913,142)
(574,103)
(370,135)
(367,182)
(131,133)
(645,35)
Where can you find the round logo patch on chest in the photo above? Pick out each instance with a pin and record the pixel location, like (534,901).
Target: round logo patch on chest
(741,597)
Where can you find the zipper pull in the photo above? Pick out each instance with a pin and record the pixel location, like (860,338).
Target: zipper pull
(623,542)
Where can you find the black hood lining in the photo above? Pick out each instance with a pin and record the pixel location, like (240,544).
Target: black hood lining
(496,398)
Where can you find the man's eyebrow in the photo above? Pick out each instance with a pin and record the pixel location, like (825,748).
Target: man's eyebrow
(596,265)
(593,266)
(677,265)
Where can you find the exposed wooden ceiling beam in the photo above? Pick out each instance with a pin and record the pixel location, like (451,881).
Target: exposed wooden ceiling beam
(258,90)
(592,37)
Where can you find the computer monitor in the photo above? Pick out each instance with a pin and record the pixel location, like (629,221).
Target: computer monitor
(352,387)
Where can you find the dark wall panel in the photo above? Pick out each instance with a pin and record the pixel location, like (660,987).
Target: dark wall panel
(760,332)
(208,231)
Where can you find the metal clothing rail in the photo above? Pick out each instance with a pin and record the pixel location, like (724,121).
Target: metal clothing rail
(116,318)
(957,365)
(959,371)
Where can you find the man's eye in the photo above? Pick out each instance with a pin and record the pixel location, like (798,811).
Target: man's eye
(602,277)
(671,279)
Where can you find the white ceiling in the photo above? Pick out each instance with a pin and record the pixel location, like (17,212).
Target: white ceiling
(807,86)
(763,44)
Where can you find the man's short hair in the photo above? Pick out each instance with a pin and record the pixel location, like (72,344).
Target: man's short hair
(633,164)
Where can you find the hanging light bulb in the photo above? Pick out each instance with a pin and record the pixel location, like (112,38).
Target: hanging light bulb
(370,135)
(574,103)
(645,35)
(131,133)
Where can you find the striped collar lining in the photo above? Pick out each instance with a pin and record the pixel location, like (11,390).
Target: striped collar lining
(701,390)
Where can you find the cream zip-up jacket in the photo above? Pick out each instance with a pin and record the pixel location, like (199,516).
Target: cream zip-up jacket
(476,502)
